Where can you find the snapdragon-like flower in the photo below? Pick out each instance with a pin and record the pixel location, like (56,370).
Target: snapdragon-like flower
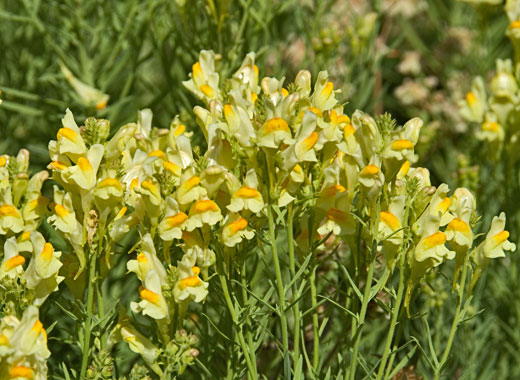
(152,301)
(496,241)
(247,197)
(235,230)
(42,272)
(12,263)
(189,285)
(173,223)
(203,211)
(204,80)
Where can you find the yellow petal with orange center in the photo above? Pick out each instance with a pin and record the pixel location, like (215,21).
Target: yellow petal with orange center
(434,240)
(237,225)
(196,270)
(444,205)
(246,192)
(3,161)
(207,90)
(228,111)
(56,165)
(405,167)
(204,205)
(84,165)
(21,371)
(25,236)
(191,183)
(310,141)
(327,90)
(490,126)
(4,341)
(284,92)
(189,282)
(315,111)
(176,220)
(142,258)
(149,296)
(402,144)
(157,153)
(501,237)
(390,220)
(348,130)
(171,167)
(47,251)
(458,225)
(515,25)
(181,128)
(470,98)
(275,124)
(67,133)
(254,97)
(121,212)
(110,182)
(148,185)
(134,183)
(13,262)
(196,69)
(370,170)
(61,211)
(8,210)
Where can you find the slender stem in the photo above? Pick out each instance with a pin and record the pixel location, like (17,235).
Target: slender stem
(393,323)
(315,323)
(454,324)
(245,298)
(88,324)
(279,280)
(242,342)
(292,267)
(358,327)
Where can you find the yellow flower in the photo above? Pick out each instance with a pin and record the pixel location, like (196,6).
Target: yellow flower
(12,263)
(273,133)
(247,197)
(189,286)
(152,301)
(235,230)
(173,222)
(10,219)
(496,239)
(203,211)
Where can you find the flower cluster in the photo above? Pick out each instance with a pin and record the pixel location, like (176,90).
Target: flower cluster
(28,270)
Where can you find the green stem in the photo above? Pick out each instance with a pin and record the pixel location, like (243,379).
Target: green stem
(393,323)
(251,368)
(279,280)
(357,327)
(245,298)
(315,323)
(292,268)
(454,324)
(88,324)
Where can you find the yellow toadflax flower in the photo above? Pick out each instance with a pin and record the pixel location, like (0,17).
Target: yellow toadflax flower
(235,230)
(247,197)
(152,301)
(173,223)
(12,263)
(204,80)
(203,211)
(189,286)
